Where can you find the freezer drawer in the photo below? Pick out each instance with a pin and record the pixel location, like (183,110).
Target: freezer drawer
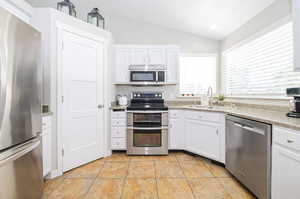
(21,172)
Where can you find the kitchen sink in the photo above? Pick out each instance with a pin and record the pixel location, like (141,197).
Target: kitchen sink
(201,106)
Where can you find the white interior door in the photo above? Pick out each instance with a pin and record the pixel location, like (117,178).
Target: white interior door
(82,112)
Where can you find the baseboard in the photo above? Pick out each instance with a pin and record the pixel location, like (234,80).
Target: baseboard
(54,174)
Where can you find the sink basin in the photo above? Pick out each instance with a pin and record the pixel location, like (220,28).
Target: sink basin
(201,106)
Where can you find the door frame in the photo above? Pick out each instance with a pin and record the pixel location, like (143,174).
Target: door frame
(60,28)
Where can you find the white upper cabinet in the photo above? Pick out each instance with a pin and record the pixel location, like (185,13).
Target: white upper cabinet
(296,22)
(123,60)
(139,56)
(127,55)
(156,56)
(172,64)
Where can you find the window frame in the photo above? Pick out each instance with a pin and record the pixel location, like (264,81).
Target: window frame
(245,41)
(217,75)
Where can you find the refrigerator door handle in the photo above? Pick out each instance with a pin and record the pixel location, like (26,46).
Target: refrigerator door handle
(19,152)
(3,82)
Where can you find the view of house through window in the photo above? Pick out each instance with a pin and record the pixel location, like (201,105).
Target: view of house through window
(197,74)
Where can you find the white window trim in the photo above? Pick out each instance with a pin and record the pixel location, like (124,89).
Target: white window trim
(196,54)
(260,33)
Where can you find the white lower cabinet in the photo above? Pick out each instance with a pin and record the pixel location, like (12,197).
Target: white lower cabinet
(118,130)
(176,134)
(46,145)
(285,164)
(199,132)
(202,138)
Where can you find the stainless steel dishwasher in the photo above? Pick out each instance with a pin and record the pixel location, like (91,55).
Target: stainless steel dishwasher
(248,154)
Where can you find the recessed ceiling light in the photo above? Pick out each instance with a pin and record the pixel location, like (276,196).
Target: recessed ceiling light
(213,27)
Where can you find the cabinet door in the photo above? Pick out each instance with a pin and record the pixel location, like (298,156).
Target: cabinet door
(285,173)
(202,139)
(176,134)
(46,142)
(123,60)
(139,56)
(156,56)
(172,64)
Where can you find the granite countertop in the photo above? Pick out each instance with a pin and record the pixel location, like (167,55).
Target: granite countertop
(117,107)
(47,114)
(267,116)
(263,115)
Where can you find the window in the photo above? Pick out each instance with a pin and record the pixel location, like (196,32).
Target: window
(263,66)
(197,74)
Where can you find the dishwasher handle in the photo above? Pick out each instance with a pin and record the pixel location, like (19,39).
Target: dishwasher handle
(250,128)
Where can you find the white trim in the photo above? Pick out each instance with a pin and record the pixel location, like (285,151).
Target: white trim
(19,8)
(54,174)
(63,27)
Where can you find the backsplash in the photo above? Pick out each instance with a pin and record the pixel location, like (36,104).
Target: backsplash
(170,92)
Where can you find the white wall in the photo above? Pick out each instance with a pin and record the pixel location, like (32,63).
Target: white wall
(278,10)
(126,31)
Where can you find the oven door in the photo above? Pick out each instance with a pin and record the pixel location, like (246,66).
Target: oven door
(143,76)
(147,119)
(147,141)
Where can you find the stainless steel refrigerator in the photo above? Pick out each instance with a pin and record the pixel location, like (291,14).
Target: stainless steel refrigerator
(20,110)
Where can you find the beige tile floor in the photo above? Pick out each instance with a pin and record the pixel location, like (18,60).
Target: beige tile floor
(177,176)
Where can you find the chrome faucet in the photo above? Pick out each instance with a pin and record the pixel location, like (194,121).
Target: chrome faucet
(210,96)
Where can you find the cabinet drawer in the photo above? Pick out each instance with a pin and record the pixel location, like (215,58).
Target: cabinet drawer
(203,116)
(119,114)
(118,132)
(118,122)
(287,137)
(211,117)
(118,143)
(194,115)
(174,114)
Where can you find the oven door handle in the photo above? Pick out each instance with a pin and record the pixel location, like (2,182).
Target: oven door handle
(145,128)
(146,112)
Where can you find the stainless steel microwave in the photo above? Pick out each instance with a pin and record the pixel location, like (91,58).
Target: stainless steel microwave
(147,73)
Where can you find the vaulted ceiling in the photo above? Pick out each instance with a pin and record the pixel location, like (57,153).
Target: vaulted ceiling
(210,18)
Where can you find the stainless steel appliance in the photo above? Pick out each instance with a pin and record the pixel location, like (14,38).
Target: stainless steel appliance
(147,124)
(147,74)
(294,103)
(248,154)
(20,110)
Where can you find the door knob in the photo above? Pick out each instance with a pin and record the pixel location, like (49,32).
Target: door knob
(100,106)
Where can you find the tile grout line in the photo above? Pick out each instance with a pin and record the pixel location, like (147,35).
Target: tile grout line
(125,178)
(156,179)
(94,180)
(186,179)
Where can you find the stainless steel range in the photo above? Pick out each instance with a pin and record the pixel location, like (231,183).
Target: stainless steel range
(147,124)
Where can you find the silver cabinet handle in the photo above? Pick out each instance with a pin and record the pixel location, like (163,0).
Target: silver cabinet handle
(290,141)
(20,152)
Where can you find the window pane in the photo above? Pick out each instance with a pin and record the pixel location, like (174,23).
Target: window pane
(263,66)
(197,74)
